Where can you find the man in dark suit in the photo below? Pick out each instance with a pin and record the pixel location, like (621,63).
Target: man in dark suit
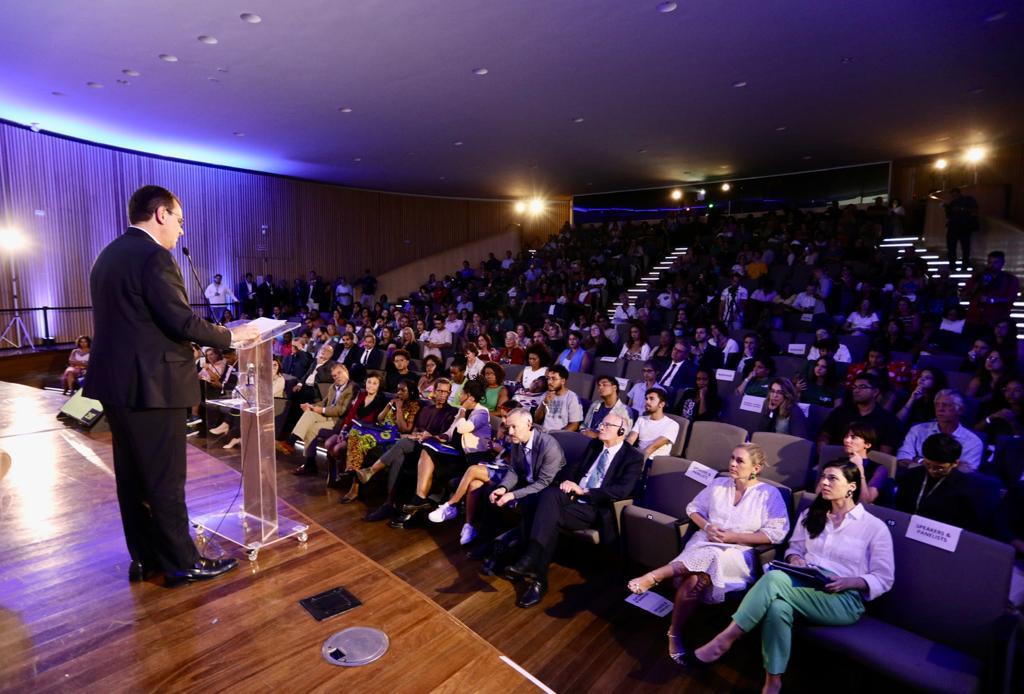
(607,472)
(142,370)
(247,295)
(534,460)
(743,361)
(306,390)
(703,352)
(681,373)
(347,352)
(369,356)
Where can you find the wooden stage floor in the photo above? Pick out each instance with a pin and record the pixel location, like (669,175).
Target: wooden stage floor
(70,621)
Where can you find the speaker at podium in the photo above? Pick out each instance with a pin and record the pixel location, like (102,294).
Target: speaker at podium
(84,411)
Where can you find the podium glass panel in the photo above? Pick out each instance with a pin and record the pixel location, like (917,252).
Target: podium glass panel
(255,521)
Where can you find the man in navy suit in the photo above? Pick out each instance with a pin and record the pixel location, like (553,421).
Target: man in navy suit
(681,372)
(369,356)
(142,371)
(589,487)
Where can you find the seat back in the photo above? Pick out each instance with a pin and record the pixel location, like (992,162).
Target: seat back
(789,458)
(942,362)
(580,383)
(608,368)
(737,416)
(634,370)
(816,415)
(512,371)
(711,443)
(958,380)
(573,443)
(668,489)
(886,460)
(858,346)
(684,428)
(955,598)
(830,452)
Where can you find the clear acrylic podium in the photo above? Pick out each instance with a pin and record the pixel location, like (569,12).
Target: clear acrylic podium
(255,521)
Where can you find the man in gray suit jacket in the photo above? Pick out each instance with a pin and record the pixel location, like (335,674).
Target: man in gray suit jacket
(534,460)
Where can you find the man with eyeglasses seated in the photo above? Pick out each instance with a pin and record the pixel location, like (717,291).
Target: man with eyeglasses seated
(582,496)
(432,420)
(606,402)
(638,393)
(939,489)
(949,407)
(863,407)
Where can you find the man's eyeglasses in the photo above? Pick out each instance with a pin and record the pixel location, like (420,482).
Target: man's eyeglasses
(180,218)
(862,386)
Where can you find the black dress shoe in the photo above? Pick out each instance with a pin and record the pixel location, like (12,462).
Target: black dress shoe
(533,595)
(305,471)
(399,521)
(418,505)
(522,569)
(202,570)
(138,571)
(382,512)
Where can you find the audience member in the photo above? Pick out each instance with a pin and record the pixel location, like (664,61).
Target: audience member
(607,401)
(654,433)
(561,408)
(863,407)
(949,407)
(781,413)
(78,362)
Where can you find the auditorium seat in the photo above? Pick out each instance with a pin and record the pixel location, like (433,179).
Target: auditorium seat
(652,528)
(858,346)
(573,443)
(711,443)
(959,380)
(634,370)
(512,371)
(582,384)
(944,626)
(608,368)
(942,362)
(789,458)
(684,429)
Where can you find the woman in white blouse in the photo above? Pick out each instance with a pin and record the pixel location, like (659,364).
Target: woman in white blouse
(733,514)
(835,535)
(636,346)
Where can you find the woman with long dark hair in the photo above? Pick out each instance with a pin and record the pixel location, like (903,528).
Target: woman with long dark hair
(837,536)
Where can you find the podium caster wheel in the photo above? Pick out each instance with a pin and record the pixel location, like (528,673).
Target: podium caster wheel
(253,554)
(302,537)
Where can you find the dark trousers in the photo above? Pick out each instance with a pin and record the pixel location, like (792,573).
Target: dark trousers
(554,511)
(955,237)
(149,467)
(402,456)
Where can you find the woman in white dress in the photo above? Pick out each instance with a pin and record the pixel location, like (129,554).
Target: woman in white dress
(733,514)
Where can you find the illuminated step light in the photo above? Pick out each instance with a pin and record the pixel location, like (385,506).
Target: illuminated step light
(937,262)
(901,238)
(896,245)
(960,274)
(929,257)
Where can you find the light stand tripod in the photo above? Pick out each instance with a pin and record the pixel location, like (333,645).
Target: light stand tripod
(16,324)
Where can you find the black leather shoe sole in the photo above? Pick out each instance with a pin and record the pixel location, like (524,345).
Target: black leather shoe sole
(532,595)
(517,571)
(399,521)
(211,569)
(413,508)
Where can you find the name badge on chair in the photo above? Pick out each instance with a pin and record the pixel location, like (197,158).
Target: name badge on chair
(701,472)
(751,403)
(727,375)
(797,348)
(932,532)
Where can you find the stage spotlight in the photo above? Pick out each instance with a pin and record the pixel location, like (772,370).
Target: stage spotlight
(520,207)
(677,194)
(725,187)
(11,239)
(975,154)
(940,164)
(535,206)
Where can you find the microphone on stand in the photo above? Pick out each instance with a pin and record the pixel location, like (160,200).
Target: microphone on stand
(199,282)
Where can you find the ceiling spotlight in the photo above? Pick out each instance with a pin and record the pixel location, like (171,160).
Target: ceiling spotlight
(535,206)
(641,151)
(213,79)
(250,18)
(457,143)
(130,72)
(806,157)
(222,69)
(940,164)
(238,133)
(122,82)
(94,85)
(780,128)
(208,40)
(739,84)
(357,159)
(58,93)
(846,60)
(168,58)
(345,109)
(676,194)
(519,207)
(577,119)
(667,7)
(726,187)
(975,154)
(480,71)
(998,16)
(11,239)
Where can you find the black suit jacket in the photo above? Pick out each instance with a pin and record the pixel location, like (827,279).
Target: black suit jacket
(297,363)
(323,374)
(357,370)
(619,481)
(141,356)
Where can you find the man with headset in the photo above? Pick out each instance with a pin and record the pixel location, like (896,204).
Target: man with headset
(589,487)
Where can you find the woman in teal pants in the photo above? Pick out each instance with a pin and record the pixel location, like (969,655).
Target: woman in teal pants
(837,535)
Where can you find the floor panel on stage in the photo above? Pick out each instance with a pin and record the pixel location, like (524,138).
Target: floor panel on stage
(71,621)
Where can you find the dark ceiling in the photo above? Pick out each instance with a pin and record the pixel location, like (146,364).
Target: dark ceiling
(711,89)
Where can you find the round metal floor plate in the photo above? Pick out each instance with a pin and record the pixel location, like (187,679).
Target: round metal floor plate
(355,646)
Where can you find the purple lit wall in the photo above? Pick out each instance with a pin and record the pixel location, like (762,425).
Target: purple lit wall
(69,198)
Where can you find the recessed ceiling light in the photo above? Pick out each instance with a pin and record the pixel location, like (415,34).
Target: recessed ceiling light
(213,79)
(222,69)
(976,90)
(641,151)
(123,82)
(57,93)
(208,40)
(590,183)
(995,17)
(480,71)
(780,128)
(577,119)
(130,72)
(457,143)
(846,60)
(667,7)
(357,159)
(94,85)
(238,133)
(345,109)
(250,17)
(441,178)
(168,58)
(806,156)
(739,84)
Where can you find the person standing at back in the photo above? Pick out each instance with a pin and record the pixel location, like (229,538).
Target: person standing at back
(142,371)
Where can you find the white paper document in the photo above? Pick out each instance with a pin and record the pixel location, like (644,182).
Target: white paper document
(652,602)
(751,403)
(932,532)
(265,325)
(701,472)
